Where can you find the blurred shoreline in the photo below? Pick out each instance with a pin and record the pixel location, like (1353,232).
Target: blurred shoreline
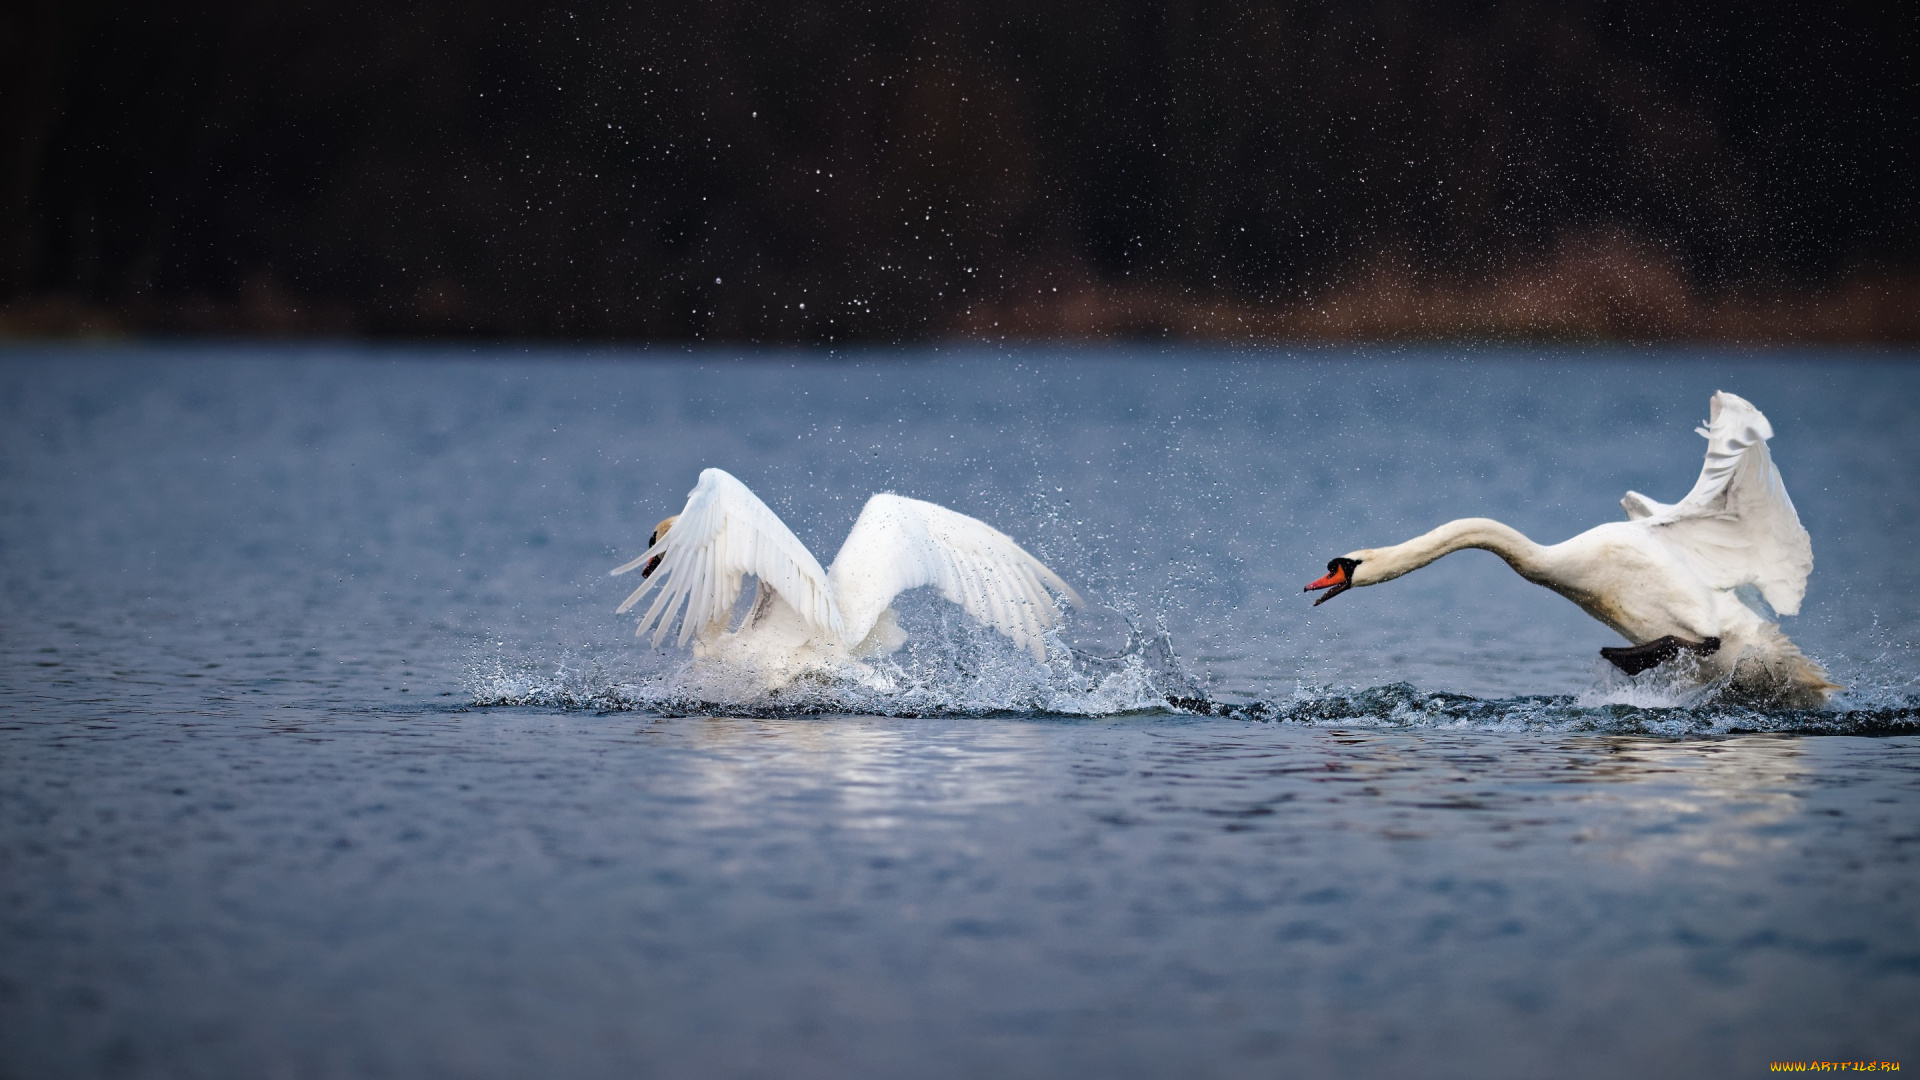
(1606,288)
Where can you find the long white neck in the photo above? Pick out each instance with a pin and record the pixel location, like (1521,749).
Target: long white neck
(1385,564)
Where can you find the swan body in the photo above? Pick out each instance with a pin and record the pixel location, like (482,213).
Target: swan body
(808,620)
(1706,576)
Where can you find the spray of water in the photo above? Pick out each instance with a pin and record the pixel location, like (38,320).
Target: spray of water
(961,670)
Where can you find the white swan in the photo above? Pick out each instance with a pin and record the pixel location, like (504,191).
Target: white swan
(804,619)
(1703,577)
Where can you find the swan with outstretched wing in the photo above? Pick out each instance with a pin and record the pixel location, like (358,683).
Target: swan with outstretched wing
(804,617)
(1703,579)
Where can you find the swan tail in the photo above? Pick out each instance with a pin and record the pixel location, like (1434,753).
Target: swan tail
(1770,669)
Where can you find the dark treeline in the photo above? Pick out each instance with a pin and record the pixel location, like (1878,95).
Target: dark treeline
(905,170)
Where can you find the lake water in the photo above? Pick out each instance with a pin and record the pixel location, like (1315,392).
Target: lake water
(322,753)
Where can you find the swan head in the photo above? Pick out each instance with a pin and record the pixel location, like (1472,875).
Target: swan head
(659,531)
(1341,575)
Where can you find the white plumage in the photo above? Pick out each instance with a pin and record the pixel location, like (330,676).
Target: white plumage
(725,533)
(805,617)
(1706,576)
(1737,526)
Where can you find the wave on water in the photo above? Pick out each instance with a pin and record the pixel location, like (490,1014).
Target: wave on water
(1148,679)
(1405,706)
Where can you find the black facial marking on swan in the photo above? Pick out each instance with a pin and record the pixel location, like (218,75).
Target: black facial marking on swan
(1338,580)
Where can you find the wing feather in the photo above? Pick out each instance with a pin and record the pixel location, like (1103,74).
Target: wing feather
(899,544)
(1639,506)
(725,533)
(1738,524)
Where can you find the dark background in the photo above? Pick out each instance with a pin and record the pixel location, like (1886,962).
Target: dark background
(923,169)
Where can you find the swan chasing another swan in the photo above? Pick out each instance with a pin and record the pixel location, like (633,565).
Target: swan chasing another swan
(805,619)
(1703,578)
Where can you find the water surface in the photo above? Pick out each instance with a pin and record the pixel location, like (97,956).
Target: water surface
(322,754)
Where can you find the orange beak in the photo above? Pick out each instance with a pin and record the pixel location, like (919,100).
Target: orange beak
(1336,582)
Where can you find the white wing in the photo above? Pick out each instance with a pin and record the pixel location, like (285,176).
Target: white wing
(1737,523)
(724,534)
(900,544)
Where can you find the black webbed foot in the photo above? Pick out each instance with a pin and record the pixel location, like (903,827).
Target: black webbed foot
(1634,659)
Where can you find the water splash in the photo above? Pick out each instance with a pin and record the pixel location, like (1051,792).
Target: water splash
(962,672)
(975,675)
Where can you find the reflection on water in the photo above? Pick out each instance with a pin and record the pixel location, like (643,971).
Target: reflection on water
(849,773)
(1718,803)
